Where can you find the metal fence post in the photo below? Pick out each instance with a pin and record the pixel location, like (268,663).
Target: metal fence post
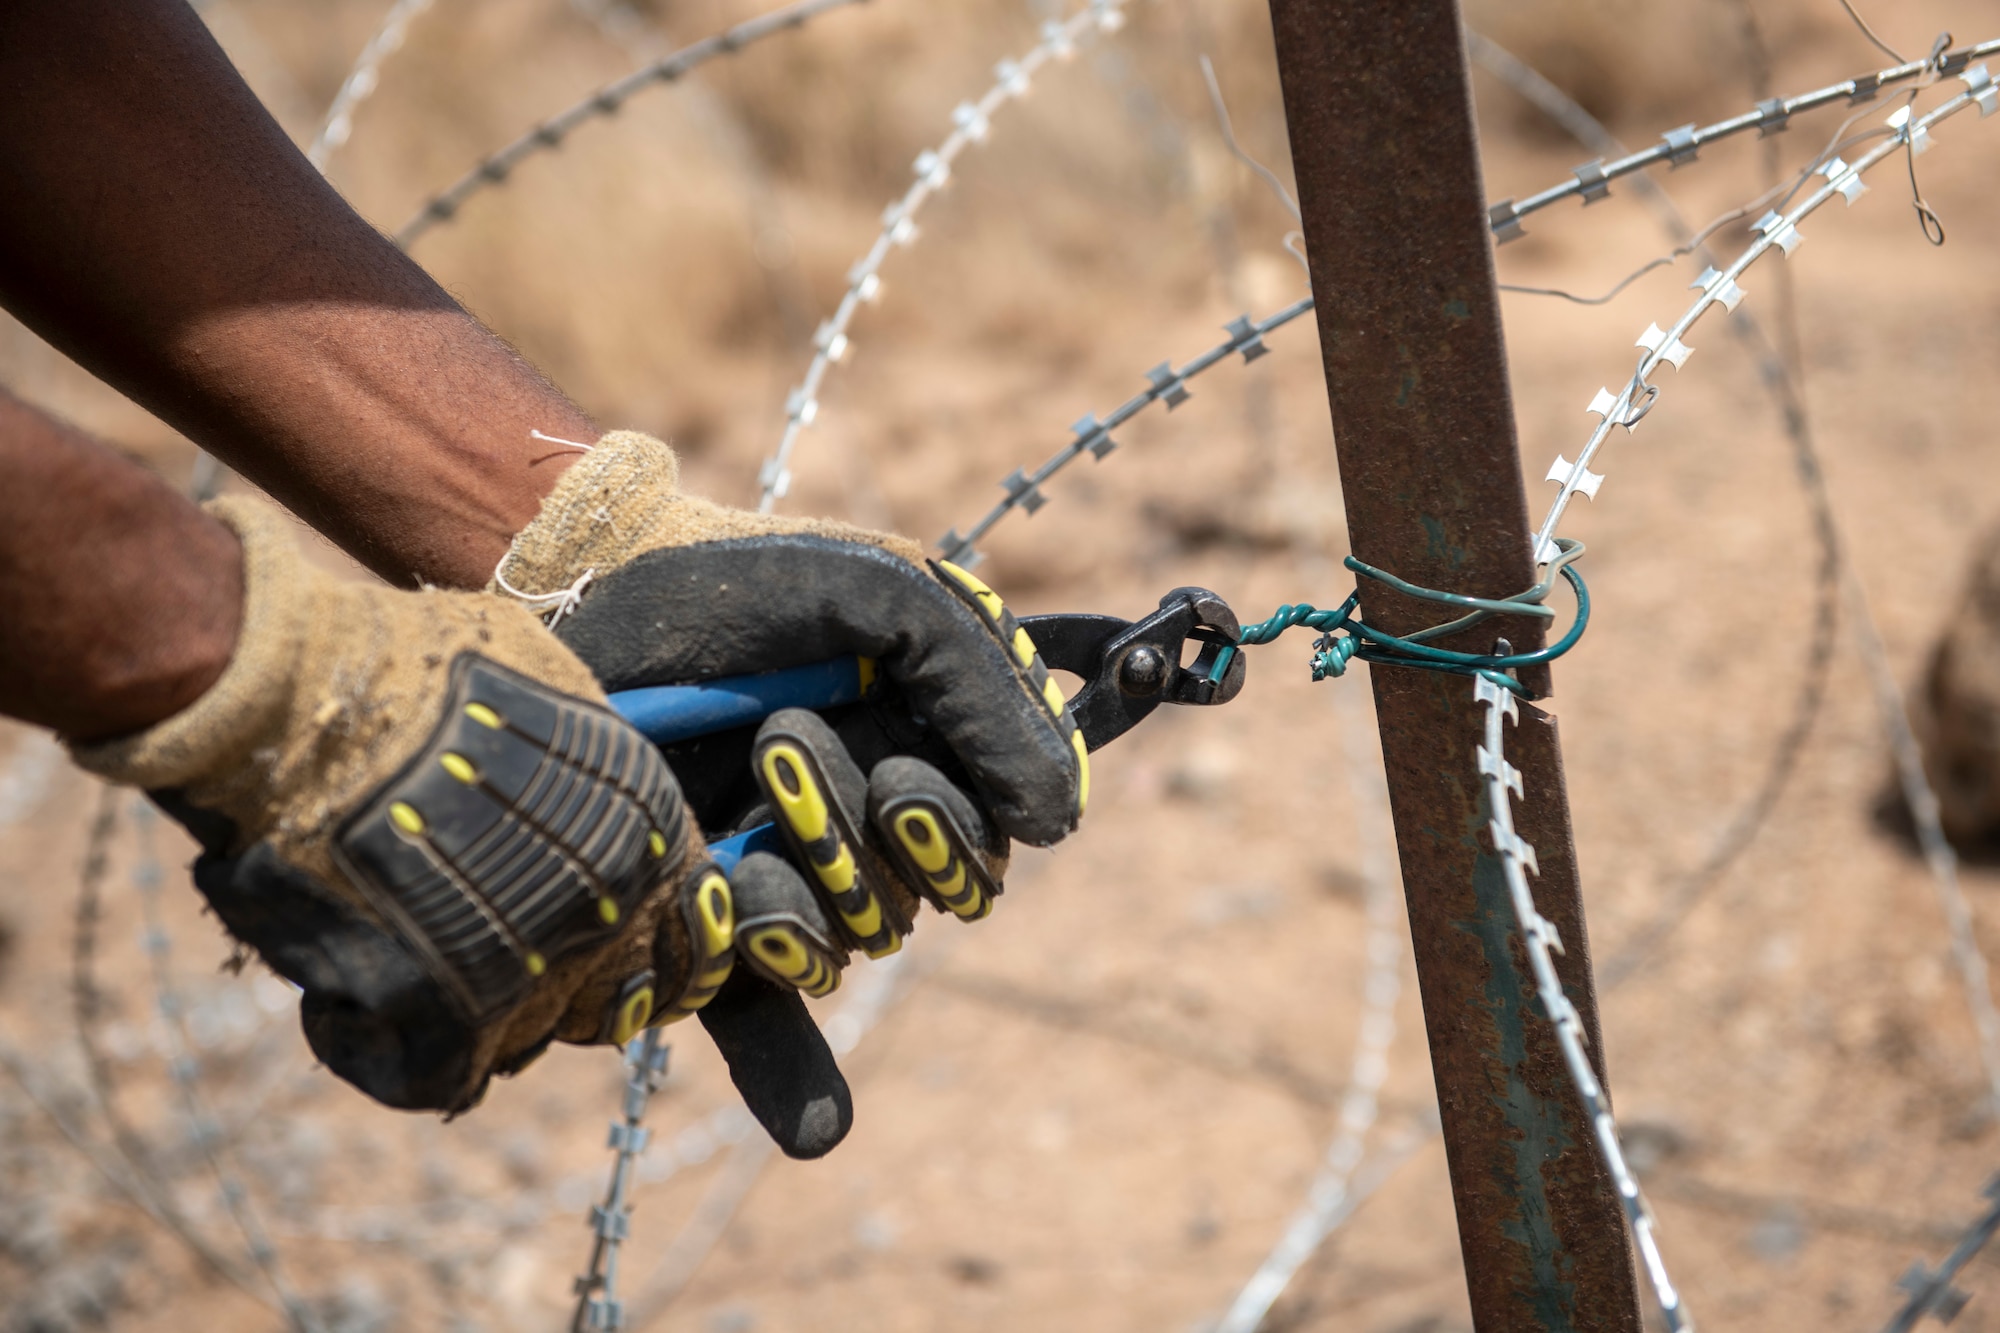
(1379,109)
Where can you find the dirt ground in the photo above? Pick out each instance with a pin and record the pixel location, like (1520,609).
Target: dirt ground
(1087,1112)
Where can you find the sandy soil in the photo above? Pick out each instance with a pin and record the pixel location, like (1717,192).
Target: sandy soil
(1097,1109)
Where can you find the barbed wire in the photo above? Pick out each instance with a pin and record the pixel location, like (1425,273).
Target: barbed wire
(1592,181)
(183,1068)
(551,133)
(1722,287)
(1092,434)
(1335,1191)
(1627,409)
(597,1303)
(1740,830)
(362,80)
(971,122)
(1629,406)
(1539,936)
(1933,1293)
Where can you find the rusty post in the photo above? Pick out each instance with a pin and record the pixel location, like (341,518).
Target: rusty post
(1379,107)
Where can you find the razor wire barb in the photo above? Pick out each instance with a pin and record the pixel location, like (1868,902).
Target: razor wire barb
(597,1303)
(606,101)
(1911,134)
(1517,859)
(362,80)
(1722,287)
(971,123)
(1933,1293)
(1741,830)
(1626,409)
(1592,181)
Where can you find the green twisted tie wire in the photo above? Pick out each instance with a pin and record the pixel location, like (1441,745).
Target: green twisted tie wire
(1344,637)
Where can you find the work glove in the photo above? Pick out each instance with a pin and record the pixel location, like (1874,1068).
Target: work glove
(417,807)
(960,743)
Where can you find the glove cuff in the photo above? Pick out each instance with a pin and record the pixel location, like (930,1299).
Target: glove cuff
(241,716)
(598,516)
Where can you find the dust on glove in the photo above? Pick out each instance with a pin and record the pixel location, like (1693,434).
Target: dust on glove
(417,807)
(964,743)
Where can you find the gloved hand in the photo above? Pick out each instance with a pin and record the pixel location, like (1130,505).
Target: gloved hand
(417,807)
(961,743)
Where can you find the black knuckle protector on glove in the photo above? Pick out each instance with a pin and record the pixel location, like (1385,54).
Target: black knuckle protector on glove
(525,831)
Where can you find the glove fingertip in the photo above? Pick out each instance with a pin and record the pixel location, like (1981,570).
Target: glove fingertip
(781,1064)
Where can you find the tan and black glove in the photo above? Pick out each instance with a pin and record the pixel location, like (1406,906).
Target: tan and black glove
(961,743)
(417,807)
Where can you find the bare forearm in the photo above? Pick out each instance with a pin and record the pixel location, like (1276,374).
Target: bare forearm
(159,228)
(120,598)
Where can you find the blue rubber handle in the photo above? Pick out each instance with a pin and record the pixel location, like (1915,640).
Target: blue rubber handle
(763,838)
(665,714)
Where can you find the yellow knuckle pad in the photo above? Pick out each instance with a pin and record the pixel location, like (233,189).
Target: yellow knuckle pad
(710,910)
(1027,664)
(936,859)
(783,953)
(799,795)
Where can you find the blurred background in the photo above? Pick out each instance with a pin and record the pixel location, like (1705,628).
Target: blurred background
(1087,1111)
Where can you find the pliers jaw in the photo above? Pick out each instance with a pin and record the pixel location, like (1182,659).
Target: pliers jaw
(1129,668)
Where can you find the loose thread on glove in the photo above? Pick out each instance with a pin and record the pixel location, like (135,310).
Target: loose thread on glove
(550,606)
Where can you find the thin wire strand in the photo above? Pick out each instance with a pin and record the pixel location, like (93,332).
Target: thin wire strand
(1869,32)
(551,133)
(1336,1191)
(971,123)
(1592,181)
(1242,154)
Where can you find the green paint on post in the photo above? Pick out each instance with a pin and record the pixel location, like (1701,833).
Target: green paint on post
(1539,1136)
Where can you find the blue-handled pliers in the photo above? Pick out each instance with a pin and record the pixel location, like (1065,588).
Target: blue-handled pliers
(1128,668)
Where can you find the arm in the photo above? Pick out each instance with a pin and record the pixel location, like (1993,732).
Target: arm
(160,229)
(120,598)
